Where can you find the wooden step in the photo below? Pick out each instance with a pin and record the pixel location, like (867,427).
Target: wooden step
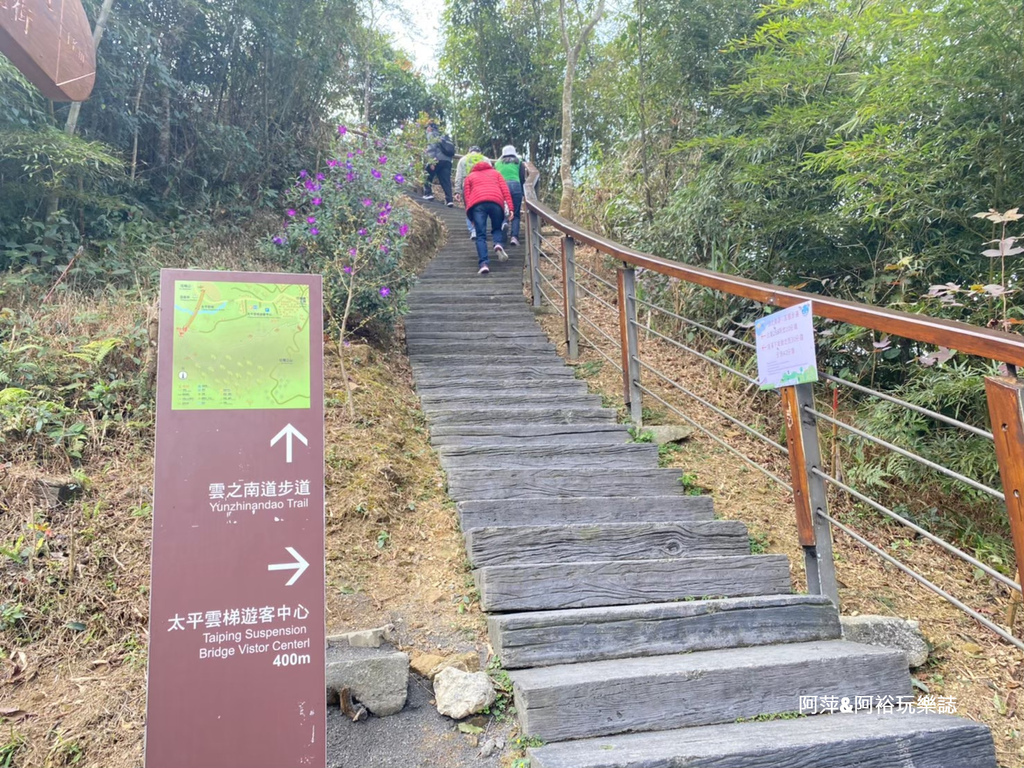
(863,740)
(602,698)
(505,414)
(518,348)
(605,541)
(583,510)
(489,335)
(484,398)
(442,373)
(552,586)
(482,484)
(503,385)
(447,355)
(544,638)
(515,434)
(622,456)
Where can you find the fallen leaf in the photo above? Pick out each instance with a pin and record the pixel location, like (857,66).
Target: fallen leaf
(14,713)
(468,728)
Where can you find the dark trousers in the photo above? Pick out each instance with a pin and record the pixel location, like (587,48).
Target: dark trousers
(517,203)
(480,213)
(442,171)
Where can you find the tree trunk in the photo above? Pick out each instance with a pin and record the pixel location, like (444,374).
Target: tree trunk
(572,55)
(97,34)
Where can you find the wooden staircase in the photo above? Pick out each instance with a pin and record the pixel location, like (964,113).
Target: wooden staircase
(639,631)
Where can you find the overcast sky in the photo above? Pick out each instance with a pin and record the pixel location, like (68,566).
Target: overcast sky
(421,39)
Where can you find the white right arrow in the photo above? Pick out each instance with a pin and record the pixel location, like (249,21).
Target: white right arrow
(288,433)
(300,565)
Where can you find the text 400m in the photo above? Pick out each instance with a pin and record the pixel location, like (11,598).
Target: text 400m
(291,659)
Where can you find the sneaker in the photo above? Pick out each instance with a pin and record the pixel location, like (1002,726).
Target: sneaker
(450,205)
(505,225)
(484,269)
(502,256)
(514,241)
(472,235)
(428,197)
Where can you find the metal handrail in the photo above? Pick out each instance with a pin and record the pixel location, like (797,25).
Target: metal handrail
(1005,395)
(969,339)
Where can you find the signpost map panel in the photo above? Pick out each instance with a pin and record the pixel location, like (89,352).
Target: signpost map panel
(240,345)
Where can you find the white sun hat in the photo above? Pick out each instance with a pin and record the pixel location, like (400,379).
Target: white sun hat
(508,150)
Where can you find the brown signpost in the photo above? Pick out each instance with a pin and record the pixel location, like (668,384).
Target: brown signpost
(236,652)
(50,41)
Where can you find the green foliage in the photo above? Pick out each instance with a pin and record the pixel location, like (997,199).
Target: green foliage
(502,708)
(641,435)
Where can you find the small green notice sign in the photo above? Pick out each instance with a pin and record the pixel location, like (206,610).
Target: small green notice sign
(240,345)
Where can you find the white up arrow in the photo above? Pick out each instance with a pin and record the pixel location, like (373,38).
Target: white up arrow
(288,433)
(299,566)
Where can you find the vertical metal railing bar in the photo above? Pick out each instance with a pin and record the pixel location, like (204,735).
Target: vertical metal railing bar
(913,456)
(925,582)
(953,550)
(716,438)
(724,414)
(702,356)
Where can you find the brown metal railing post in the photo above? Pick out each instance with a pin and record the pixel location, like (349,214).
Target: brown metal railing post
(629,343)
(572,321)
(533,254)
(809,493)
(1006,410)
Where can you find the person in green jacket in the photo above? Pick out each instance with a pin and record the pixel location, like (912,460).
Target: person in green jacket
(513,170)
(471,158)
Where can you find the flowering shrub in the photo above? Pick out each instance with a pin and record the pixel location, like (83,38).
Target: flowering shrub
(341,221)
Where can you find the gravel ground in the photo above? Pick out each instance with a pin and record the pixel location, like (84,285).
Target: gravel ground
(417,737)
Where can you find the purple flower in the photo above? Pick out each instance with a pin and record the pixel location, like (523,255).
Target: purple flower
(303,174)
(362,233)
(350,157)
(278,241)
(385,291)
(376,173)
(309,186)
(367,202)
(399,178)
(291,211)
(350,177)
(359,151)
(342,130)
(319,177)
(384,249)
(351,252)
(332,163)
(382,159)
(403,230)
(311,220)
(314,231)
(316,201)
(347,270)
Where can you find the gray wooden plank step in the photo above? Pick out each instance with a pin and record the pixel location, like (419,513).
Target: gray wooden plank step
(549,455)
(545,638)
(540,431)
(504,328)
(613,509)
(483,354)
(602,698)
(504,414)
(471,347)
(549,393)
(474,384)
(525,399)
(579,438)
(479,333)
(551,586)
(481,484)
(864,740)
(441,375)
(522,545)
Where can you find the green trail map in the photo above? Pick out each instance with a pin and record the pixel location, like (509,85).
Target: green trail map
(240,345)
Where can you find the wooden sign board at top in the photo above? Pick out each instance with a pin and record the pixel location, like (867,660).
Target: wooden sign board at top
(50,41)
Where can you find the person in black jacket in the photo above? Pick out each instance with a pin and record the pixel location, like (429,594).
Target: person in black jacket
(441,151)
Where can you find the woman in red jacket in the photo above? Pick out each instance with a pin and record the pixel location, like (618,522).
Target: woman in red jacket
(487,197)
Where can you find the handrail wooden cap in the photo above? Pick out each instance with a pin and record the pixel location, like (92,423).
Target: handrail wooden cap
(963,337)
